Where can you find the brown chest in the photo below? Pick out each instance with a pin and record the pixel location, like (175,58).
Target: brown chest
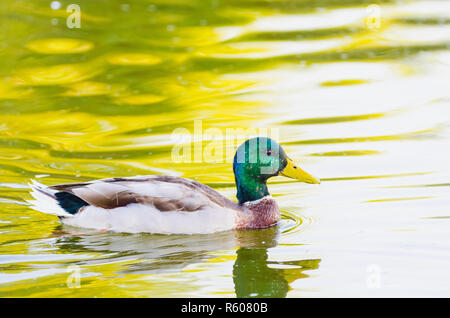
(259,214)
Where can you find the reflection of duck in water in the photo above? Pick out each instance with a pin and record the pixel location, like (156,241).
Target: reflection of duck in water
(255,276)
(172,205)
(147,253)
(159,253)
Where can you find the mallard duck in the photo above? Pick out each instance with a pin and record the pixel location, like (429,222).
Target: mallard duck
(173,205)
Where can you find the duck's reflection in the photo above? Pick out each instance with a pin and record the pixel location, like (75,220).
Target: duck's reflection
(143,253)
(253,274)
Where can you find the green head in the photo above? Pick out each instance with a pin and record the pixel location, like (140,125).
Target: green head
(258,159)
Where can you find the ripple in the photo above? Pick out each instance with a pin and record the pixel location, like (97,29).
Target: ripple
(345,153)
(60,46)
(344,82)
(8,91)
(19,143)
(418,34)
(56,74)
(273,49)
(394,175)
(335,119)
(133,59)
(398,199)
(297,35)
(316,21)
(93,89)
(440,217)
(292,222)
(142,99)
(404,136)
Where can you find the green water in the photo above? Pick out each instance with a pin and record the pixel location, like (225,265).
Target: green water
(361,103)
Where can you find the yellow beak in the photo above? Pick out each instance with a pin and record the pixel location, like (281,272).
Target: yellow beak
(294,172)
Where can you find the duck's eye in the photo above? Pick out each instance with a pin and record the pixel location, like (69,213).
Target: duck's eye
(269,152)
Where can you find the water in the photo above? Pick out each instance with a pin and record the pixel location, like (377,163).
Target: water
(358,96)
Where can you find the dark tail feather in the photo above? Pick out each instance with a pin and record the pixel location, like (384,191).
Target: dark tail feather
(69,202)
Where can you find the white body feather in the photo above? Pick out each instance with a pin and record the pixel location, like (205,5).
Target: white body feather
(137,218)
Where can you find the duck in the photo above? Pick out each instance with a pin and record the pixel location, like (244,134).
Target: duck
(162,204)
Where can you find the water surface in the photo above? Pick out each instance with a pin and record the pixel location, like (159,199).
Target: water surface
(363,106)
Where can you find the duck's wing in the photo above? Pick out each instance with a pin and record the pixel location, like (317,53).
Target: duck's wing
(166,193)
